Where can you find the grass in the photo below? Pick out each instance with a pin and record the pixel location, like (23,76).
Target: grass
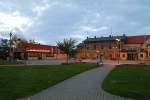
(5,62)
(132,81)
(17,82)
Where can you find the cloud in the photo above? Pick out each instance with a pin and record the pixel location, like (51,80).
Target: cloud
(144,30)
(13,20)
(52,20)
(91,29)
(39,9)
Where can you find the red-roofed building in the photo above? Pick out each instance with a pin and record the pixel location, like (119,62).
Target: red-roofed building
(116,47)
(136,48)
(35,51)
(137,39)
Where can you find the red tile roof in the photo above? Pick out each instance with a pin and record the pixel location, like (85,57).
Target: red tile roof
(137,39)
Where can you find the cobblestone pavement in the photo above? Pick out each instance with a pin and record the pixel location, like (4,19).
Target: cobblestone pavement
(85,86)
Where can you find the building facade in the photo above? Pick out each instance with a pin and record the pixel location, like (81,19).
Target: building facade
(35,52)
(115,47)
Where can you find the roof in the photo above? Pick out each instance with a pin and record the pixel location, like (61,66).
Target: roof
(39,46)
(101,39)
(80,45)
(36,47)
(137,39)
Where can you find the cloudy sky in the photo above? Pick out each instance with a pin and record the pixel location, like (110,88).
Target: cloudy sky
(48,21)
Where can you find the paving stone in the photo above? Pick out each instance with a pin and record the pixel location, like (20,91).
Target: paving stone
(85,86)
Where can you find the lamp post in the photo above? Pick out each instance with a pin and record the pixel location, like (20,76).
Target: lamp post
(10,46)
(97,54)
(119,46)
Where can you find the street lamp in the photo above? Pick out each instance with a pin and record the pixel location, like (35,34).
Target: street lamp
(119,46)
(10,46)
(97,56)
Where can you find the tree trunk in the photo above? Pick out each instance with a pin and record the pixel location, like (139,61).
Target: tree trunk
(67,58)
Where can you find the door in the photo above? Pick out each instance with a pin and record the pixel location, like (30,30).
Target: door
(132,56)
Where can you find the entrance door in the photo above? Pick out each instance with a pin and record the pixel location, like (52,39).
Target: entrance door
(132,56)
(40,56)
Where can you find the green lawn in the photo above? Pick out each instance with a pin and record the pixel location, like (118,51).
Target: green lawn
(16,82)
(131,81)
(5,62)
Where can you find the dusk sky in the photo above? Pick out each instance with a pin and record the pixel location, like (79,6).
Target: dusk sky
(48,21)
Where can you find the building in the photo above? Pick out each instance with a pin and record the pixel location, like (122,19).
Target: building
(115,47)
(136,48)
(35,51)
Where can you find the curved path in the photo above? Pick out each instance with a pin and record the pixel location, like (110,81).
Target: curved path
(85,86)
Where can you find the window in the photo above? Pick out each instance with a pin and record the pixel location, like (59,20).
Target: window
(148,45)
(110,45)
(94,47)
(141,55)
(33,54)
(123,55)
(87,48)
(102,47)
(49,55)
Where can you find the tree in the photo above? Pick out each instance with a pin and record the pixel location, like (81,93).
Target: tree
(32,42)
(4,48)
(67,46)
(16,41)
(4,43)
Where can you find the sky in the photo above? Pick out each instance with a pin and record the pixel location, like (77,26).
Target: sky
(49,21)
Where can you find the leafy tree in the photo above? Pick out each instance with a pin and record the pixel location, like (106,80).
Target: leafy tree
(4,43)
(4,48)
(67,46)
(32,42)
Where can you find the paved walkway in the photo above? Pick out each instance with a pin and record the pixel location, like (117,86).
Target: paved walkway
(85,86)
(114,62)
(45,62)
